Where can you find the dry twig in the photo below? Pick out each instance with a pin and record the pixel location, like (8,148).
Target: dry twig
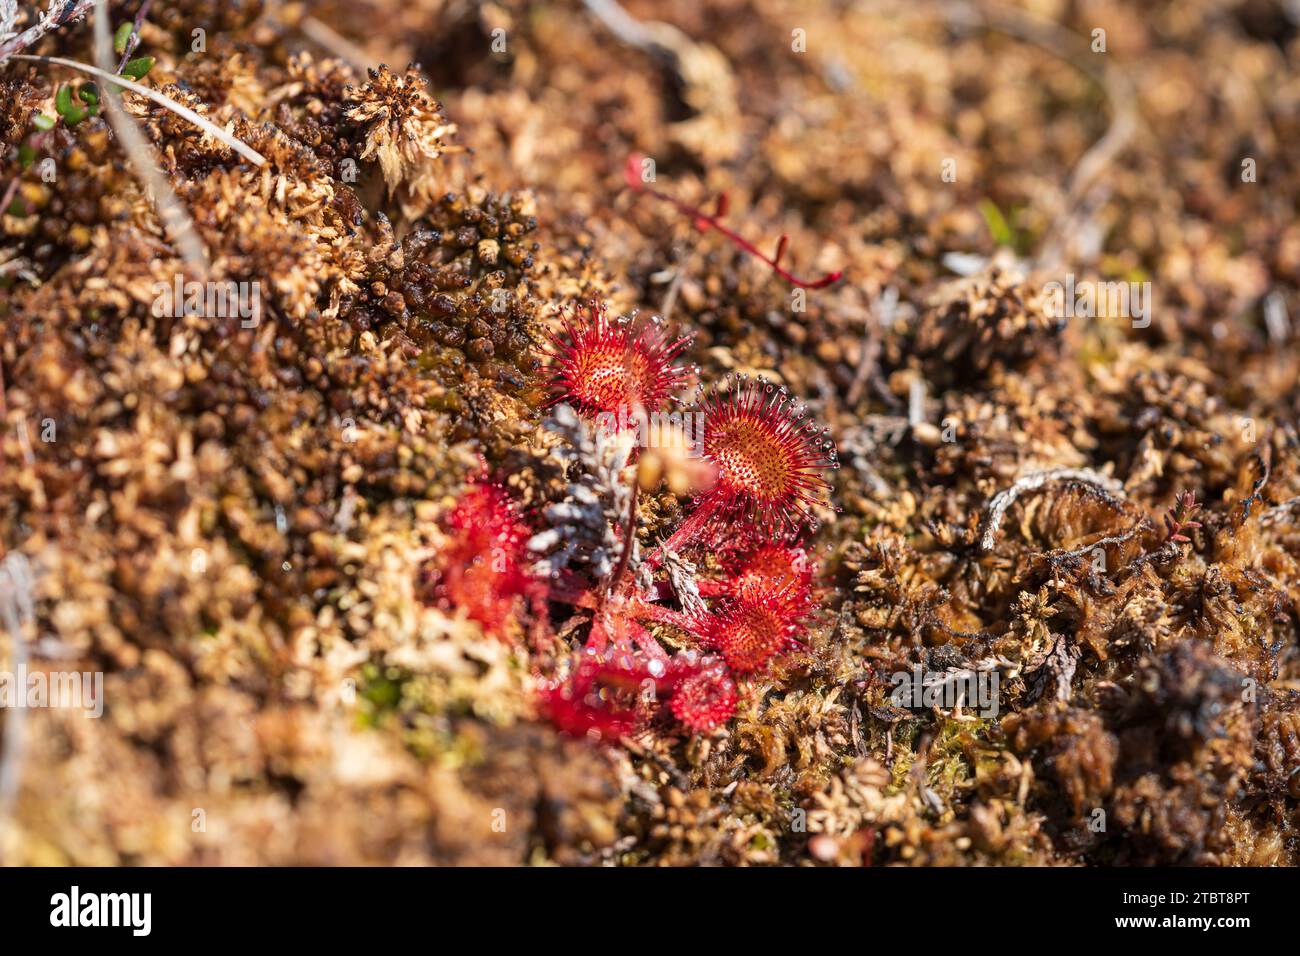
(51,19)
(209,127)
(330,39)
(176,220)
(1004,499)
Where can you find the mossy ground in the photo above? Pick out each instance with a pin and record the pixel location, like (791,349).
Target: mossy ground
(231,522)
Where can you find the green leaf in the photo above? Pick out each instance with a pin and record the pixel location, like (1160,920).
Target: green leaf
(138,68)
(43,122)
(71,112)
(997,223)
(26,156)
(122,37)
(89,93)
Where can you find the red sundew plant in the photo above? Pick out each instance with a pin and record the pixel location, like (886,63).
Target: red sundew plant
(764,601)
(769,464)
(705,697)
(483,568)
(705,221)
(604,367)
(603,697)
(750,631)
(615,692)
(767,570)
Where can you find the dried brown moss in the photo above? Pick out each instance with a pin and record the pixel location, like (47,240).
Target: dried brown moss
(231,521)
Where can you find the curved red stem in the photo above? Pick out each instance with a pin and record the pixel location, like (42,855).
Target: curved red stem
(704,221)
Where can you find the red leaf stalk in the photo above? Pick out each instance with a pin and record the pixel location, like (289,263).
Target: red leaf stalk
(704,221)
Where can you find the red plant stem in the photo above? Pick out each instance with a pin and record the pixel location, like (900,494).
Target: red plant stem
(649,646)
(687,533)
(665,615)
(632,175)
(629,541)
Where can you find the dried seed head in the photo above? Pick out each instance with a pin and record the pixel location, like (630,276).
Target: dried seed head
(611,367)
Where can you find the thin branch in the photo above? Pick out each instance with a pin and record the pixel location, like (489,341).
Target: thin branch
(173,214)
(681,259)
(327,37)
(209,127)
(883,310)
(49,20)
(623,25)
(133,40)
(8,17)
